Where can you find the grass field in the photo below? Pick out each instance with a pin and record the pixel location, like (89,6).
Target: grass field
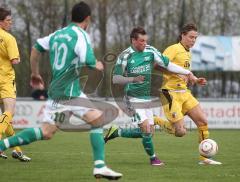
(67,158)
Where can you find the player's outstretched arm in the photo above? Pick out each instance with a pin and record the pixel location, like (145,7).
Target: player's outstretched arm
(178,69)
(122,80)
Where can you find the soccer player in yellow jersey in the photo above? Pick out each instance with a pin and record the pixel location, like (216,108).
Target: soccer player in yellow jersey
(9,56)
(176,99)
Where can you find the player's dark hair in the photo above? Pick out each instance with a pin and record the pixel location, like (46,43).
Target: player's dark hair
(4,13)
(187,28)
(135,32)
(80,11)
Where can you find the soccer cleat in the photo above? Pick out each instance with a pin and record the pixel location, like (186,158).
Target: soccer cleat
(111,134)
(20,156)
(105,172)
(3,155)
(156,162)
(207,161)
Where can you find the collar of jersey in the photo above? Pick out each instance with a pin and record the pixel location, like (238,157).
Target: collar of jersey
(184,47)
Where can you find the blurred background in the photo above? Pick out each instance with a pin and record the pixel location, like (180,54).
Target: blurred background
(112,20)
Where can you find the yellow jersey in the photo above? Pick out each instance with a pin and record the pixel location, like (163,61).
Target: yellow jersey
(179,55)
(8,52)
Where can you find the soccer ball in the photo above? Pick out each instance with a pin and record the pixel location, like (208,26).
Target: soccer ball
(208,148)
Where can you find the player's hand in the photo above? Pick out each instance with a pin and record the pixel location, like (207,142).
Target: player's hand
(202,81)
(138,79)
(36,81)
(15,61)
(99,66)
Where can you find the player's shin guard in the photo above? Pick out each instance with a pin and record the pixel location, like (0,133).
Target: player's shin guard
(97,142)
(5,120)
(148,144)
(130,132)
(203,133)
(24,137)
(10,132)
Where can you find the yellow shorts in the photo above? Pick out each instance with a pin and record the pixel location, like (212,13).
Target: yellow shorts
(7,89)
(177,103)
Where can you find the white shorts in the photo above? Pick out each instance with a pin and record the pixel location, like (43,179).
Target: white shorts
(67,111)
(145,114)
(141,113)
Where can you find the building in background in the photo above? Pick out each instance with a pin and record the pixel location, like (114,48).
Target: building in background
(216,53)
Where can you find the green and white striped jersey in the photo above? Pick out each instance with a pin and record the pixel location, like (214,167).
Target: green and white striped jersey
(69,50)
(132,63)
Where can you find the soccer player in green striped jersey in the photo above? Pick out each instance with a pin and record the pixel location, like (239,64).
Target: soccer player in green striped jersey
(69,49)
(133,69)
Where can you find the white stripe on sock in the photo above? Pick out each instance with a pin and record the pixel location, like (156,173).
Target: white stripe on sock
(119,132)
(37,133)
(6,142)
(97,130)
(97,162)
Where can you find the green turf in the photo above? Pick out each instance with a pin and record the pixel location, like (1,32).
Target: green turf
(67,158)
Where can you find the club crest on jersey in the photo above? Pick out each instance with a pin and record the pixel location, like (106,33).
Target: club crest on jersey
(186,64)
(174,115)
(132,61)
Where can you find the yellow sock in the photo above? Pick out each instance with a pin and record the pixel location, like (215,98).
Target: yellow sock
(5,120)
(203,134)
(164,124)
(10,132)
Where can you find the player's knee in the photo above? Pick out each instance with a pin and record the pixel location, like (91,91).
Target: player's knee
(180,132)
(146,127)
(94,118)
(48,132)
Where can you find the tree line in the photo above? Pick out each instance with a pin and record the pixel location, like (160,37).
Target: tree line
(112,21)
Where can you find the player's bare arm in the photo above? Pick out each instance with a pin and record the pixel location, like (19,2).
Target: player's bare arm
(36,79)
(122,80)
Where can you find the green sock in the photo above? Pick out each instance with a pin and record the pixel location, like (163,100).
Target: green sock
(23,137)
(148,144)
(130,132)
(97,142)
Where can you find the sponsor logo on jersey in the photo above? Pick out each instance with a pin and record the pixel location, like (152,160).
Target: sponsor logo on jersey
(140,69)
(147,58)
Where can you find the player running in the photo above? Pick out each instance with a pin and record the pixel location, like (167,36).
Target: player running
(9,55)
(175,96)
(133,69)
(69,49)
